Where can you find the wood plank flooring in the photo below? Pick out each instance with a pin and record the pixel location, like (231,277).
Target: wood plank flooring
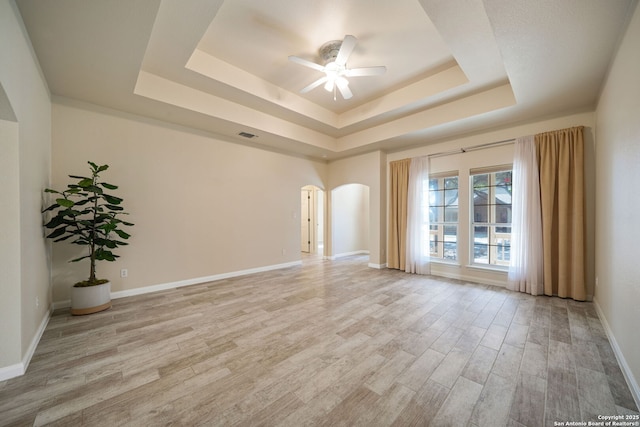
(328,343)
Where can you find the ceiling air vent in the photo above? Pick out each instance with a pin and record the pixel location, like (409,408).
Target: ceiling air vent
(247,135)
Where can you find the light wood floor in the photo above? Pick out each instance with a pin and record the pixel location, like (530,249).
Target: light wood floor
(327,343)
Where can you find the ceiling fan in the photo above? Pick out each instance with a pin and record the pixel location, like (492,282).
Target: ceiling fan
(334,55)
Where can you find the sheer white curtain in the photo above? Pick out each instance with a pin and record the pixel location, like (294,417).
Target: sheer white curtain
(525,267)
(417,253)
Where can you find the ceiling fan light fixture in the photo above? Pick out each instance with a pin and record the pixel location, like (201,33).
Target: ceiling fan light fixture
(341,81)
(334,55)
(343,87)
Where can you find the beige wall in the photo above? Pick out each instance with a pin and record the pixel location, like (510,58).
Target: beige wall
(26,143)
(618,201)
(10,350)
(367,169)
(201,206)
(350,219)
(463,162)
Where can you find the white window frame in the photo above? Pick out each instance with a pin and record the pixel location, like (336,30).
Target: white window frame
(494,238)
(438,234)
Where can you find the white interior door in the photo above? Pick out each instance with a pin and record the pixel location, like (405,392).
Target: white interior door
(305,221)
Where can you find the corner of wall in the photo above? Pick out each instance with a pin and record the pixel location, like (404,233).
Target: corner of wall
(624,366)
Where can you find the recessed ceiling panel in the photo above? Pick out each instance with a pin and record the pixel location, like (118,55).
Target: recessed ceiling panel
(259,36)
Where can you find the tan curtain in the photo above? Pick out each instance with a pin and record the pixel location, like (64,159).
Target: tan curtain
(561,163)
(396,250)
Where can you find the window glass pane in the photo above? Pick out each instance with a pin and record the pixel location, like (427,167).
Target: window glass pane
(450,249)
(435,198)
(451,214)
(450,183)
(503,249)
(503,230)
(503,178)
(480,253)
(480,234)
(480,213)
(450,233)
(443,209)
(502,196)
(480,181)
(433,244)
(434,214)
(481,196)
(480,245)
(503,214)
(451,197)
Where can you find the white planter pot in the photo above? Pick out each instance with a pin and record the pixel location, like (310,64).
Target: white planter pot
(90,299)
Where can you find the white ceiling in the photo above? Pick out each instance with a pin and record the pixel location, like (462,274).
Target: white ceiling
(453,66)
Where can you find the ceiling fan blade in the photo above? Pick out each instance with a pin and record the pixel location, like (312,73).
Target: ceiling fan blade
(343,87)
(367,71)
(306,63)
(314,84)
(348,44)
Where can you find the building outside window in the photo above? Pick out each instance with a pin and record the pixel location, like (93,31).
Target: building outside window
(491,216)
(443,217)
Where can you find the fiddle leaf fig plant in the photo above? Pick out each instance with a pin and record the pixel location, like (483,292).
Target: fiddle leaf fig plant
(91,217)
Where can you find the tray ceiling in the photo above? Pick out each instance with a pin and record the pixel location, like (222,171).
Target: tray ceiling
(221,66)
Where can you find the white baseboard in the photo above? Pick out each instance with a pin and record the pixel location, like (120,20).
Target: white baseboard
(19,369)
(154,288)
(12,371)
(470,279)
(187,282)
(36,338)
(61,304)
(378,266)
(626,370)
(344,254)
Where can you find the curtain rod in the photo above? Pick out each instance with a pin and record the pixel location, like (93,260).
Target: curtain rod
(473,147)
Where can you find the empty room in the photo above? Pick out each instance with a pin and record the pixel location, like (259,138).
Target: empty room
(341,212)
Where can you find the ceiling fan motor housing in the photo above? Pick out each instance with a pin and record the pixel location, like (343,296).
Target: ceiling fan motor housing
(329,51)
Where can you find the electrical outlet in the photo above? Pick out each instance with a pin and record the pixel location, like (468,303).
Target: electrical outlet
(124,272)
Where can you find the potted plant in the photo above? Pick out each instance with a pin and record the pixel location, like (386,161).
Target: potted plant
(89,216)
